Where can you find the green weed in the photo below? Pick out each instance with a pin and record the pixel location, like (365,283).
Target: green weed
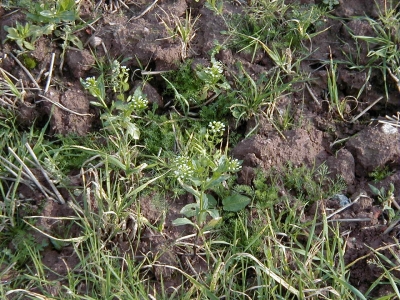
(257,98)
(194,88)
(380,173)
(383,47)
(25,35)
(274,27)
(330,3)
(201,168)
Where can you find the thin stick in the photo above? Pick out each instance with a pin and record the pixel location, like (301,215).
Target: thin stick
(339,141)
(11,166)
(144,12)
(312,94)
(346,220)
(346,206)
(391,226)
(38,165)
(29,172)
(123,4)
(26,71)
(365,110)
(63,107)
(50,73)
(153,72)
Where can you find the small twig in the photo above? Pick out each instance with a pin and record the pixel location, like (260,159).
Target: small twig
(339,141)
(392,225)
(346,220)
(38,165)
(29,172)
(365,110)
(346,206)
(153,72)
(395,79)
(26,71)
(6,103)
(59,105)
(123,4)
(144,12)
(9,166)
(50,73)
(394,120)
(312,94)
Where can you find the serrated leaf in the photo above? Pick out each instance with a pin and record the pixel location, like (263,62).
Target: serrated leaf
(235,202)
(182,221)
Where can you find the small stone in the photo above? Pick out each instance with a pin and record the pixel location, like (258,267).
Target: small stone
(343,200)
(389,129)
(95,41)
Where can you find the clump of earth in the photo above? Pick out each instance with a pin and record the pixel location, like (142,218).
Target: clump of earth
(352,150)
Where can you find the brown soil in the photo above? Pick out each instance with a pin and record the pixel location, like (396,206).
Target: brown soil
(368,146)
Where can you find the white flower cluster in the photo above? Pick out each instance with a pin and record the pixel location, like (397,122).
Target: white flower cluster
(115,69)
(217,67)
(119,75)
(89,82)
(233,165)
(216,127)
(183,169)
(138,102)
(213,74)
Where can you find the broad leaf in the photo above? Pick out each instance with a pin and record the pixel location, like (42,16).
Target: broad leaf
(235,202)
(190,210)
(132,130)
(182,221)
(212,224)
(214,213)
(374,189)
(212,202)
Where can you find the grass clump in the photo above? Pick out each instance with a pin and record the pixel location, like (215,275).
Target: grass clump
(276,25)
(383,47)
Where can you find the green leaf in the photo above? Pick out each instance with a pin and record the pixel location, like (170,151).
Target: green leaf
(212,202)
(182,221)
(235,202)
(212,224)
(13,33)
(48,13)
(213,213)
(67,16)
(28,45)
(76,41)
(133,130)
(189,189)
(214,182)
(65,5)
(374,190)
(190,210)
